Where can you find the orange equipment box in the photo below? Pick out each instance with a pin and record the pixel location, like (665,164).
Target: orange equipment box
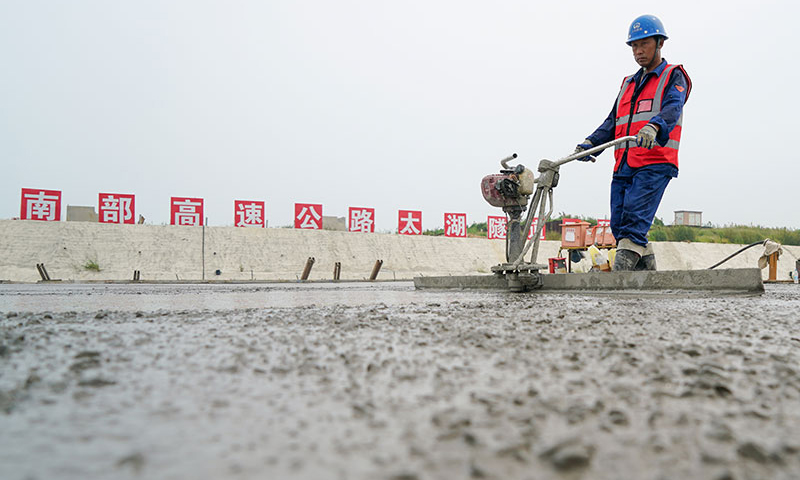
(599,235)
(590,238)
(606,239)
(573,234)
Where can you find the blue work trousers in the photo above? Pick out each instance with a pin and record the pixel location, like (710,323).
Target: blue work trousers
(634,201)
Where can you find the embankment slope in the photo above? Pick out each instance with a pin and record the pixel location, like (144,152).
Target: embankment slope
(163,252)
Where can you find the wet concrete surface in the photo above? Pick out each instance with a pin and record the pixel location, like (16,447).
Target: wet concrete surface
(65,297)
(378,381)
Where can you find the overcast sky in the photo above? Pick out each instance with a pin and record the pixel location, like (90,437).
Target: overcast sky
(391,105)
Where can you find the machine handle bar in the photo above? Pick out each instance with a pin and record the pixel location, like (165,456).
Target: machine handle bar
(504,162)
(592,150)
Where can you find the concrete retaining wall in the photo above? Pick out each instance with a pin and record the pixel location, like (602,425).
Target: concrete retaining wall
(176,253)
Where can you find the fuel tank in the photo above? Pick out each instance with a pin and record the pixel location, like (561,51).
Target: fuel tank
(507,189)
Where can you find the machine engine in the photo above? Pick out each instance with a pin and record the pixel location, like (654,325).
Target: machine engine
(509,188)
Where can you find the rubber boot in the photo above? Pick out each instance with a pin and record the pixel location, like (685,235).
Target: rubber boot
(626,260)
(647,262)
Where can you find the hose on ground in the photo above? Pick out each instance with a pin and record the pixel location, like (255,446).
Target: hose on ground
(760,242)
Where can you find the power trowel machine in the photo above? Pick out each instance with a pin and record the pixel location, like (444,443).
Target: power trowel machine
(511,190)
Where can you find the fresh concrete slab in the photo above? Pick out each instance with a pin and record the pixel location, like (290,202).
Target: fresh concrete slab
(384,382)
(733,279)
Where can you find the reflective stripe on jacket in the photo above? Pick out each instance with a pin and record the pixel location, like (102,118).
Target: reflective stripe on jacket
(630,120)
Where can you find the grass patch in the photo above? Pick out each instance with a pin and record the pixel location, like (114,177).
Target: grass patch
(737,234)
(91,265)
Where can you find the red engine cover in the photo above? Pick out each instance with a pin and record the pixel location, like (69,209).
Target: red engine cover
(493,195)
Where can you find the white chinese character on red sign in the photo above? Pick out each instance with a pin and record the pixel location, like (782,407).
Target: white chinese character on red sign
(248,213)
(40,205)
(409,222)
(534,226)
(455,224)
(186,211)
(495,228)
(308,216)
(361,219)
(116,208)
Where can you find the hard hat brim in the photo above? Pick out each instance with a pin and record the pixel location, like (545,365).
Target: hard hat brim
(648,35)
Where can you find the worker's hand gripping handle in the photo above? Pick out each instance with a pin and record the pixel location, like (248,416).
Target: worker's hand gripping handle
(593,150)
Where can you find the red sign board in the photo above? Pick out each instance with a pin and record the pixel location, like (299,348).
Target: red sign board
(534,226)
(455,224)
(308,216)
(116,208)
(361,219)
(497,228)
(248,213)
(186,211)
(40,204)
(409,222)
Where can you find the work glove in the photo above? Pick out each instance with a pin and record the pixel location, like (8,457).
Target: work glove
(586,145)
(646,137)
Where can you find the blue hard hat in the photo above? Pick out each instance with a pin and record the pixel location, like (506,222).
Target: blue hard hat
(646,26)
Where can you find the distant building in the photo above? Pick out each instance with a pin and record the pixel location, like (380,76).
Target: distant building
(81,214)
(687,217)
(334,223)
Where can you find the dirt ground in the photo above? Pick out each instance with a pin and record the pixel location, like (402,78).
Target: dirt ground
(383,382)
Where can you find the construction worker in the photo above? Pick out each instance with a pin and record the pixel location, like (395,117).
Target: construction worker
(650,106)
